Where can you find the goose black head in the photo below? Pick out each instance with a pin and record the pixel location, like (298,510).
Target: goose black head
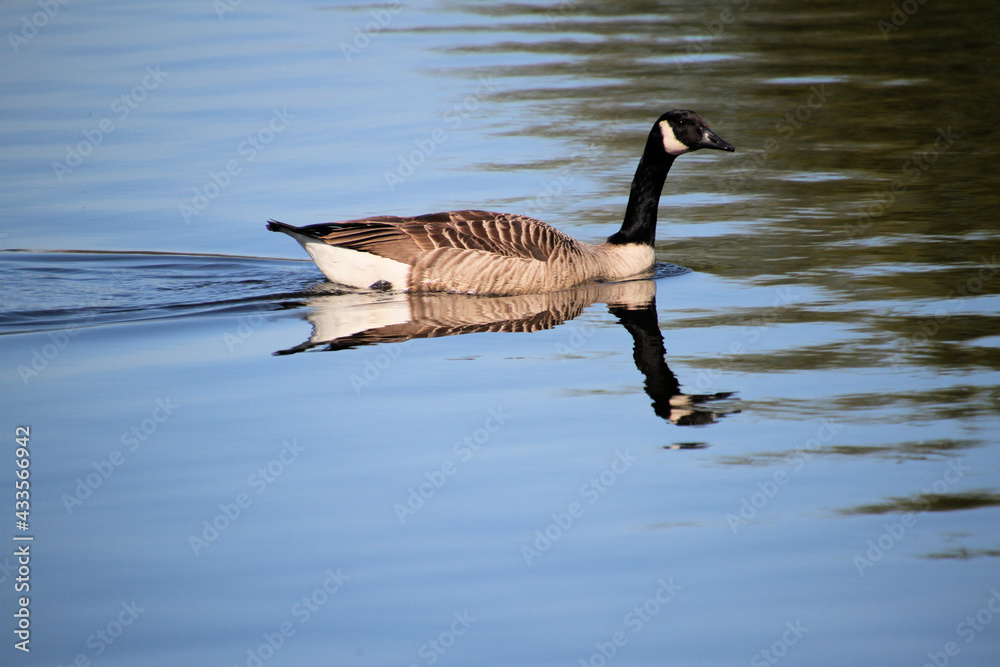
(684,131)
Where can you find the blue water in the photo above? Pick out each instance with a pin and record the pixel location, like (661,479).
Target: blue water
(787,454)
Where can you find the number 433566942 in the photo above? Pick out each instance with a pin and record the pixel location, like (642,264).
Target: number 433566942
(22,458)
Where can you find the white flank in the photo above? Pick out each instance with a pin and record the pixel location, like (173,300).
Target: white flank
(670,143)
(352,267)
(355,268)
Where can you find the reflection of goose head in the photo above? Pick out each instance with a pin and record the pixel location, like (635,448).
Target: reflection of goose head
(356,319)
(661,383)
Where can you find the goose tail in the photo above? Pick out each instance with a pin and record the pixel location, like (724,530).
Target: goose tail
(275,226)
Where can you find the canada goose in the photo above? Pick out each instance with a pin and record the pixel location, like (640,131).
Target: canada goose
(481,252)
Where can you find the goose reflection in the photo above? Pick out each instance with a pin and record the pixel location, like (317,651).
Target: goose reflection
(350,320)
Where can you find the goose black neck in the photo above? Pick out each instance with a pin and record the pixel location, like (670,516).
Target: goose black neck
(639,225)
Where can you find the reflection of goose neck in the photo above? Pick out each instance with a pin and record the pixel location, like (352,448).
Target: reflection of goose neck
(661,384)
(649,354)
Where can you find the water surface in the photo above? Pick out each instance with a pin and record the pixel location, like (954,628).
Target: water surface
(787,454)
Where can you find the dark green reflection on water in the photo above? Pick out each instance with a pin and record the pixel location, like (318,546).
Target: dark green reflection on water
(930,502)
(864,165)
(961,553)
(896,451)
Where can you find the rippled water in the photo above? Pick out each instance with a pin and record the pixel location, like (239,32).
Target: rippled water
(787,454)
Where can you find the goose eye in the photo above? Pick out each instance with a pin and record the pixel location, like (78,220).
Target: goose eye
(681,123)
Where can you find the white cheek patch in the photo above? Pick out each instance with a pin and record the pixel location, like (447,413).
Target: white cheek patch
(670,143)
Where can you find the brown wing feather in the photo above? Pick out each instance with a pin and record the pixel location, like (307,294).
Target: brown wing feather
(407,239)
